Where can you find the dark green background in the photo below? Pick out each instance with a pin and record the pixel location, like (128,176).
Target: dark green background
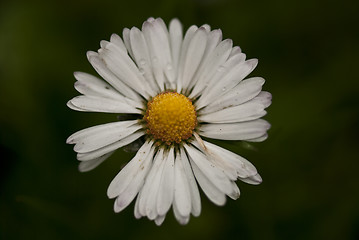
(308,53)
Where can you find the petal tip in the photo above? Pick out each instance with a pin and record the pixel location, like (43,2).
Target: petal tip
(70,140)
(70,105)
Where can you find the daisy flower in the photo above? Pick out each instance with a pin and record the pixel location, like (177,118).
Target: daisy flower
(172,92)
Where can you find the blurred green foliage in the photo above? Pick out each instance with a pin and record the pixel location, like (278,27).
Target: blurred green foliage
(308,53)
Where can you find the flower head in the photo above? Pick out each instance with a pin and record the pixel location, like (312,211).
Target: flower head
(176,90)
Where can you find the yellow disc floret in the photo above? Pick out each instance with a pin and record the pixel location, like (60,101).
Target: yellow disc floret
(170,117)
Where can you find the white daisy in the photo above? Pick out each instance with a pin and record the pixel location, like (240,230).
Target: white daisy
(175,90)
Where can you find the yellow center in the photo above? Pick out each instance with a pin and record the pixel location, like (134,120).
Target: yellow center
(170,117)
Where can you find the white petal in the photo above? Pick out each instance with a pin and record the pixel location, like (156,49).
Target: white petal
(211,191)
(214,38)
(194,55)
(89,165)
(91,54)
(103,43)
(181,219)
(166,187)
(216,58)
(231,112)
(133,170)
(167,65)
(150,19)
(149,187)
(226,77)
(195,197)
(162,24)
(236,193)
(142,57)
(237,55)
(210,170)
(234,76)
(109,148)
(258,139)
(213,182)
(136,174)
(242,166)
(206,27)
(151,203)
(264,98)
(126,40)
(182,194)
(92,86)
(88,132)
(176,36)
(235,131)
(73,107)
(211,53)
(235,51)
(255,180)
(158,42)
(101,104)
(245,112)
(187,38)
(118,41)
(159,220)
(226,166)
(101,68)
(233,79)
(96,137)
(136,209)
(243,92)
(124,68)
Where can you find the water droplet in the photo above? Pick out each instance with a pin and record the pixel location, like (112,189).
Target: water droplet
(142,62)
(142,71)
(221,69)
(224,89)
(169,66)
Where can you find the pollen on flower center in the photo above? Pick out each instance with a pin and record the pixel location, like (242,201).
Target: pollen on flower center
(170,117)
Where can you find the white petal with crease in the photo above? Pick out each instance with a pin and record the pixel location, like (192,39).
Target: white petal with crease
(245,112)
(234,76)
(93,138)
(255,180)
(102,69)
(166,186)
(101,104)
(213,182)
(182,194)
(89,165)
(216,58)
(142,57)
(136,173)
(187,38)
(194,55)
(92,86)
(210,170)
(125,176)
(242,166)
(149,186)
(104,150)
(175,35)
(235,131)
(243,92)
(195,197)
